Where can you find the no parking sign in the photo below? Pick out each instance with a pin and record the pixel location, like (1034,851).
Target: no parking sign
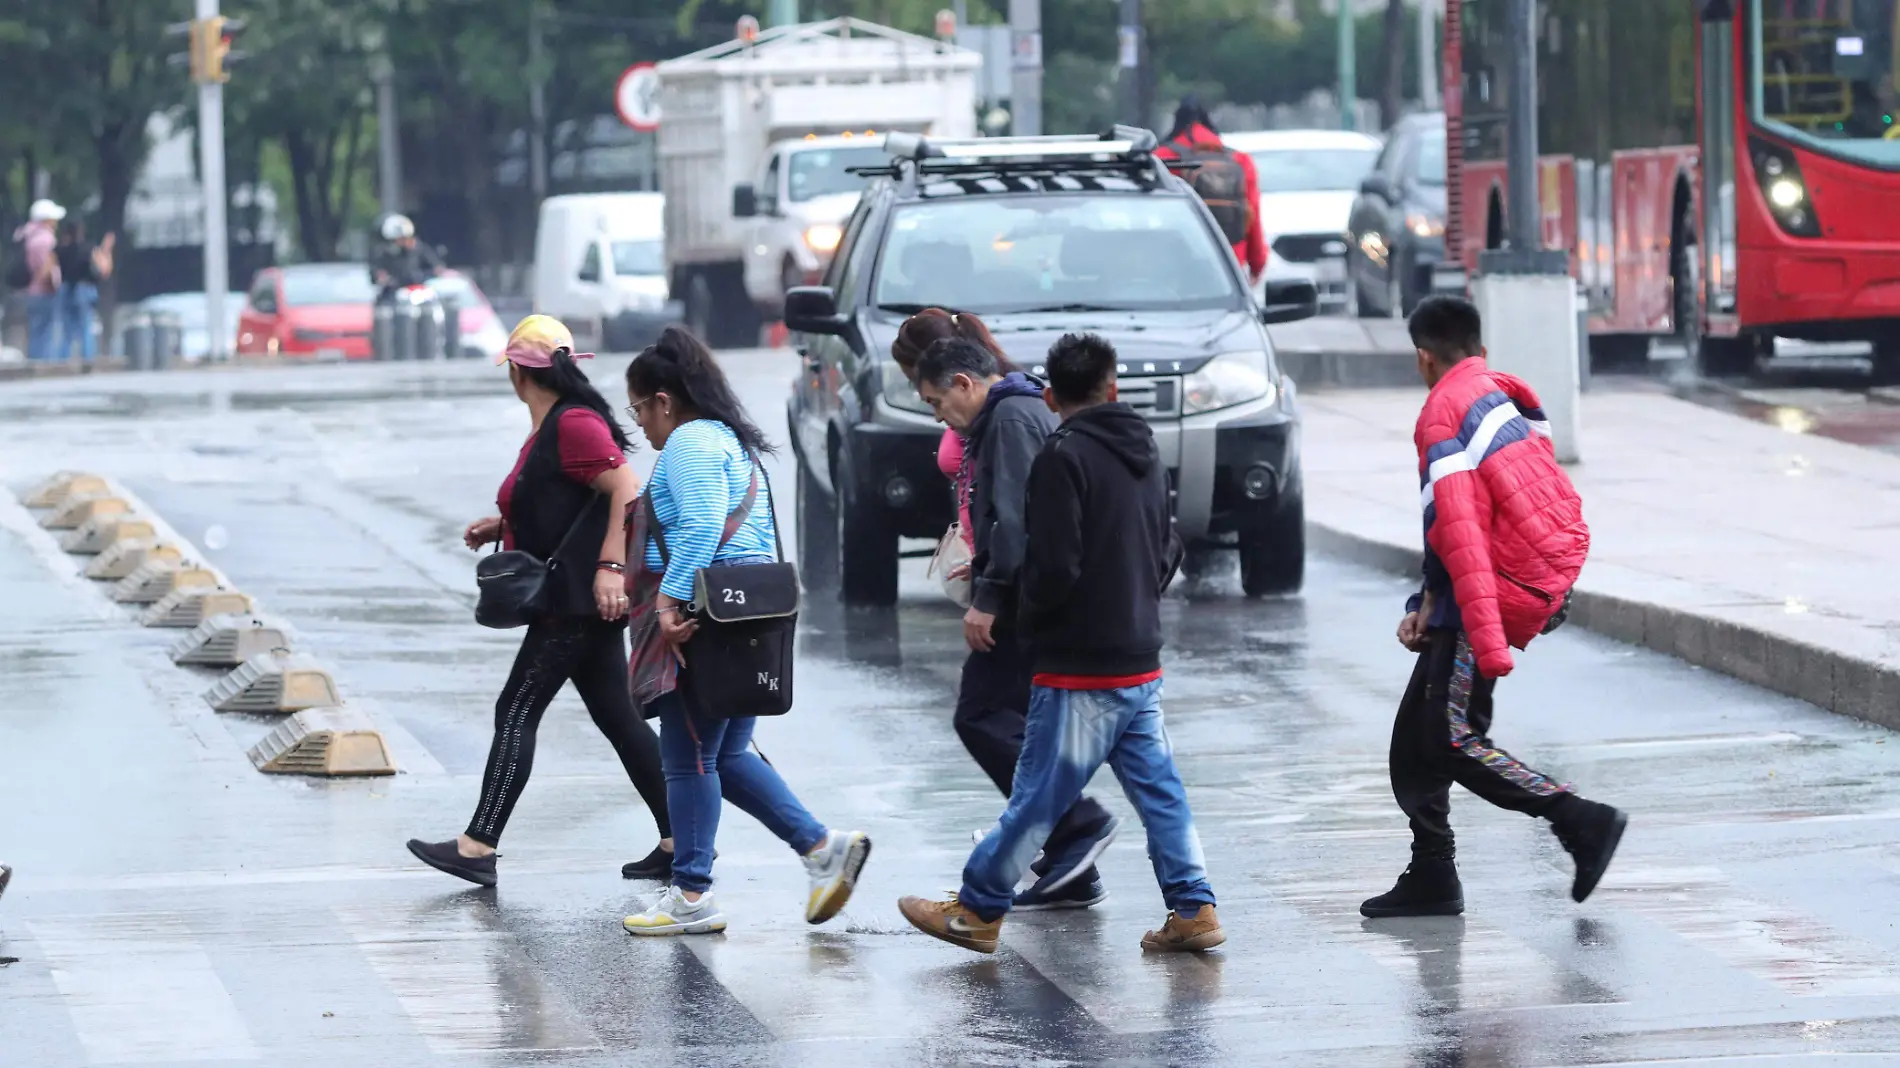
(637,97)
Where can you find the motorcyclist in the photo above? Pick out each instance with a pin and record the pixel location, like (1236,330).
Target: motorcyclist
(402,261)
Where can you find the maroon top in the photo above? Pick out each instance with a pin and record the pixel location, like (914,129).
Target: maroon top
(587,451)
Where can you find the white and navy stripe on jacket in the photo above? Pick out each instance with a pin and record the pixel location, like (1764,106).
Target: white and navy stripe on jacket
(1492,422)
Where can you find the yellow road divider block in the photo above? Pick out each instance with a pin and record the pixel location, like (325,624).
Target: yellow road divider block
(53,492)
(156,578)
(229,641)
(122,558)
(96,535)
(324,741)
(77,511)
(275,682)
(192,606)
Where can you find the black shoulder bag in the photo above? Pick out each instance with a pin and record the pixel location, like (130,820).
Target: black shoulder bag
(516,587)
(739,662)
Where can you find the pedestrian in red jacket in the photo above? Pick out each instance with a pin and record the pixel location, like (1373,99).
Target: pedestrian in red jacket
(1504,541)
(1225,180)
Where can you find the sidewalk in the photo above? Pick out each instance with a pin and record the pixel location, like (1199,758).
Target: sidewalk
(1734,545)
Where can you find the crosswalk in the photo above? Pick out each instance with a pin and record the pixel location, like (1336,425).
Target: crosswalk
(407,973)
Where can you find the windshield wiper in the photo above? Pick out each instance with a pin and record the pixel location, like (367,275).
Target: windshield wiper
(909,309)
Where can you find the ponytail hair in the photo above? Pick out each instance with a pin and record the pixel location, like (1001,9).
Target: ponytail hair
(564,378)
(932,325)
(681,366)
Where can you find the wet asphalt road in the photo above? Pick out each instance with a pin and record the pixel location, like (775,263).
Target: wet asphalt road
(174,907)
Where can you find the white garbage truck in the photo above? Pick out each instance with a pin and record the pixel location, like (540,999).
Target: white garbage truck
(757,145)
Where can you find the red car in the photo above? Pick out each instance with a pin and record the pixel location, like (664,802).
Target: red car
(307,309)
(314,308)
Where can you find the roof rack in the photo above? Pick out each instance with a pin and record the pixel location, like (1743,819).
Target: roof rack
(1122,151)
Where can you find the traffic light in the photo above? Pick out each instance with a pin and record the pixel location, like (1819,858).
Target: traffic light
(209,48)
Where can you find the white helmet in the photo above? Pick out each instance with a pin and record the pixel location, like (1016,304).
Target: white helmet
(397,227)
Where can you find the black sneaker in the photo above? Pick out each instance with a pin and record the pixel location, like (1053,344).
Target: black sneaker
(1589,831)
(1426,888)
(655,865)
(6,876)
(443,856)
(1078,854)
(1080,893)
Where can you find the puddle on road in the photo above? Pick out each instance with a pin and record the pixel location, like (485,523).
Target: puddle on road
(1825,401)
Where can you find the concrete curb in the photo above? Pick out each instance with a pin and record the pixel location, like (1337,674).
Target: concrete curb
(1850,686)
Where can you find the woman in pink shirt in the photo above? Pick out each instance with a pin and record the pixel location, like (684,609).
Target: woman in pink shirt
(918,333)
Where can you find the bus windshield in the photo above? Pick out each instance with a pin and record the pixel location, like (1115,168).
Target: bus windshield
(1822,73)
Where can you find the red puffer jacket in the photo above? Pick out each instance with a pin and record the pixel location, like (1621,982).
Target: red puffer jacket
(1499,512)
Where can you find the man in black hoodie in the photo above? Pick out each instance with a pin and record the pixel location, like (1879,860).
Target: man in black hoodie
(1101,549)
(1004,422)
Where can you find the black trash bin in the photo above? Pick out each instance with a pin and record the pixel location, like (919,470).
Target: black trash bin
(138,340)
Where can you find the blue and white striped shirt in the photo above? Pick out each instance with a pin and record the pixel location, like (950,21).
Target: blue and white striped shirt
(699,479)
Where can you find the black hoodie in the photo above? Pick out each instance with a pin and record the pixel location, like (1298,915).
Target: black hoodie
(1102,547)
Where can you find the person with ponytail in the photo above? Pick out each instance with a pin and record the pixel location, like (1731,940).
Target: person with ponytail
(711,502)
(571,475)
(918,333)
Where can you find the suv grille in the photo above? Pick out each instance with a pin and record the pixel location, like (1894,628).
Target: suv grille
(1308,248)
(1154,398)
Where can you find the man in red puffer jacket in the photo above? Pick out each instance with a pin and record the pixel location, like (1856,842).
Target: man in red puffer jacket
(1504,541)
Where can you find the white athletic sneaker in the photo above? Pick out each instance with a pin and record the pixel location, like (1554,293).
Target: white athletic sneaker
(672,914)
(834,868)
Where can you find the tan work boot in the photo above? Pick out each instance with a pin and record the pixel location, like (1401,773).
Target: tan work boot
(1186,936)
(953,923)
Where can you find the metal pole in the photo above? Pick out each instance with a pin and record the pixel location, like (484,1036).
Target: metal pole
(1348,67)
(1428,55)
(1025,47)
(1521,146)
(961,9)
(211,172)
(388,141)
(782,13)
(1131,47)
(537,108)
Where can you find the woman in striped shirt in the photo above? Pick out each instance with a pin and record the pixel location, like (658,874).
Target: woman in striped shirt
(708,495)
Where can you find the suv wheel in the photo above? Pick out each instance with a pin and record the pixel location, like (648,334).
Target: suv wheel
(866,543)
(817,534)
(1273,552)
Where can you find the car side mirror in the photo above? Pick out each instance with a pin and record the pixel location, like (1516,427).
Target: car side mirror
(1289,300)
(745,201)
(814,310)
(1376,185)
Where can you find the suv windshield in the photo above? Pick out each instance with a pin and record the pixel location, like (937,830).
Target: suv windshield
(817,172)
(1110,251)
(1429,167)
(1826,75)
(1297,170)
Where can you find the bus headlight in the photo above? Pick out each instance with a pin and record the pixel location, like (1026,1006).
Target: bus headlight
(823,237)
(1784,189)
(1226,380)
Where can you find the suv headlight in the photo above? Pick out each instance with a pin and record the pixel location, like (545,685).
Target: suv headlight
(898,392)
(1423,224)
(1226,380)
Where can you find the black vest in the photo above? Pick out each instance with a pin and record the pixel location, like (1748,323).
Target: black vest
(545,504)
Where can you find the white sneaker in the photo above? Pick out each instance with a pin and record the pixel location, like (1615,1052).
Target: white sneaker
(672,914)
(834,868)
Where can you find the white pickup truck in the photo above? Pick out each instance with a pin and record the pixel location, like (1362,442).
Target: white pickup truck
(757,146)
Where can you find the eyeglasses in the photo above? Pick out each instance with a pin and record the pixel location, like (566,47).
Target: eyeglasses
(633,410)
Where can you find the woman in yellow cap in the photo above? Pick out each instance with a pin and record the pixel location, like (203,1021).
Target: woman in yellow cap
(571,473)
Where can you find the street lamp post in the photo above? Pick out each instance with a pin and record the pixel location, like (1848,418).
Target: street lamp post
(211,171)
(1025,49)
(1348,68)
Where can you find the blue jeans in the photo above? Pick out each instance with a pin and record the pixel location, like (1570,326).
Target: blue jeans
(706,760)
(1070,735)
(42,325)
(76,301)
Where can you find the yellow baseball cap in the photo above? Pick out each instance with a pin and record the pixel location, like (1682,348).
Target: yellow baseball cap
(535,341)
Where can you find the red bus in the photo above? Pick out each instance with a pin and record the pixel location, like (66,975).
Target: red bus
(1726,172)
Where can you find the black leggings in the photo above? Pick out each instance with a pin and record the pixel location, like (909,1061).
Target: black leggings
(593,655)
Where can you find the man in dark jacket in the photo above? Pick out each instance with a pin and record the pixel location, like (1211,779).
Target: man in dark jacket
(1004,422)
(1101,549)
